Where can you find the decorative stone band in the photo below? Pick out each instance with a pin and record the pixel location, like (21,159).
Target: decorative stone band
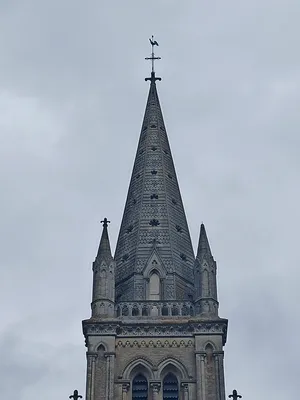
(188,328)
(137,343)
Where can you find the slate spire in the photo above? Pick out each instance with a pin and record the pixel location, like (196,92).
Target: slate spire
(154,213)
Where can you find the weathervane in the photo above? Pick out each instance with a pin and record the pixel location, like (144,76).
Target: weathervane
(153,58)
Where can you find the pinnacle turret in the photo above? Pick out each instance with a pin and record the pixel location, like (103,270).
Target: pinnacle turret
(104,277)
(205,271)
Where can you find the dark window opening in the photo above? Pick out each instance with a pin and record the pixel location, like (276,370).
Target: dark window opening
(135,312)
(165,311)
(170,388)
(144,312)
(175,311)
(125,311)
(140,388)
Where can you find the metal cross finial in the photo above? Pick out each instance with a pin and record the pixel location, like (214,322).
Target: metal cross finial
(105,223)
(153,58)
(75,395)
(235,395)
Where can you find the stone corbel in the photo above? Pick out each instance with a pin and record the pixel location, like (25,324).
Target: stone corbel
(185,388)
(155,386)
(125,390)
(125,387)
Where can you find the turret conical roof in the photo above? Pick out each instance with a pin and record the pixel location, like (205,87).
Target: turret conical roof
(104,251)
(203,245)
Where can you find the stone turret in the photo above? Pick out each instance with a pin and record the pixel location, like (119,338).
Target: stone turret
(104,278)
(206,298)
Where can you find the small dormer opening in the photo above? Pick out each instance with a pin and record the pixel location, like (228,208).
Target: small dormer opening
(154,286)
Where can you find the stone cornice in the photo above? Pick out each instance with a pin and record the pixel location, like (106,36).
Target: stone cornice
(189,328)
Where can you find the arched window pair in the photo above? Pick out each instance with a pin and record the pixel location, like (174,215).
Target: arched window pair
(140,388)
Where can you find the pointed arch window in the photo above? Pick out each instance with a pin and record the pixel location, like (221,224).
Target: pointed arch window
(170,387)
(140,388)
(154,286)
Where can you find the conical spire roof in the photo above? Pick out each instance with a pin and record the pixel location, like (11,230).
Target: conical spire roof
(203,245)
(104,251)
(154,215)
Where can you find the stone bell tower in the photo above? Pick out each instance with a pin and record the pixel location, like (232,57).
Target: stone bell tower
(155,332)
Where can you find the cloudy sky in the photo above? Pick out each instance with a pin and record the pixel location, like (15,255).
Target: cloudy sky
(72,97)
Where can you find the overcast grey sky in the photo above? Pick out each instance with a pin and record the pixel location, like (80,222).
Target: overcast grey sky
(72,97)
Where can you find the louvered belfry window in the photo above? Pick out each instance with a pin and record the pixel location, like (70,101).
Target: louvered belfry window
(170,388)
(140,388)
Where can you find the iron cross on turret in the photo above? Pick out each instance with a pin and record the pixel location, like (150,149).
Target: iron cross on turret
(153,58)
(105,223)
(75,395)
(235,395)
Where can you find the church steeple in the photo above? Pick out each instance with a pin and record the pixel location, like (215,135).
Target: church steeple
(154,212)
(160,336)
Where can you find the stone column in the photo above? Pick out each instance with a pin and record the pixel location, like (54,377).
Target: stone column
(155,386)
(203,377)
(221,376)
(185,387)
(217,375)
(198,376)
(110,358)
(125,388)
(90,375)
